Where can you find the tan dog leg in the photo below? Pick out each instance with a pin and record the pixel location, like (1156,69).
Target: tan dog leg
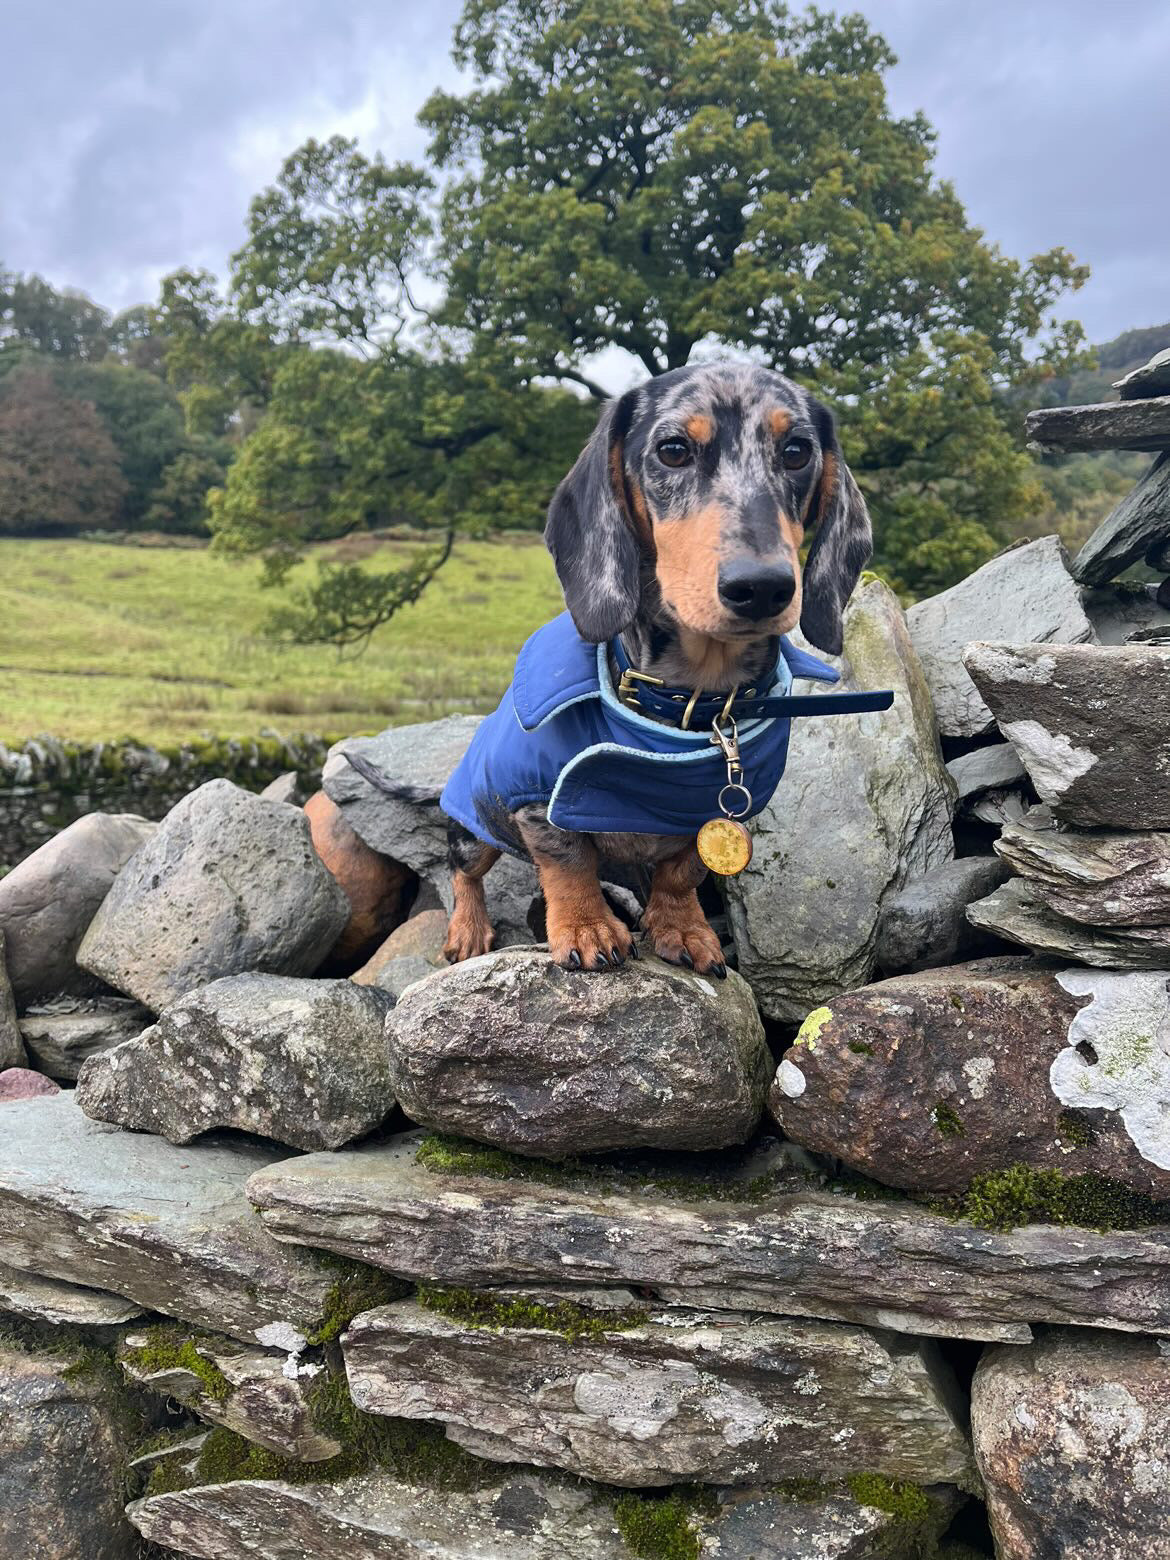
(674,919)
(469,932)
(583,932)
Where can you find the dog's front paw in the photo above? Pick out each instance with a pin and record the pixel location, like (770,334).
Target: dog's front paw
(599,943)
(468,935)
(681,935)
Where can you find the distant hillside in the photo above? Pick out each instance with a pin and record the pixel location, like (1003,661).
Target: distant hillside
(1114,358)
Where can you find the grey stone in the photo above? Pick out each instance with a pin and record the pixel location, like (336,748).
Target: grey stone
(994,768)
(49,899)
(925,923)
(1017,912)
(412,951)
(753,1525)
(229,883)
(1025,595)
(62,1305)
(1103,877)
(926,1081)
(285,788)
(1125,613)
(1110,425)
(864,805)
(12,1053)
(263,1397)
(58,1042)
(1152,378)
(61,1456)
(1071,1438)
(300,1061)
(686,1397)
(1091,724)
(804,1253)
(167,1227)
(1139,522)
(510,1049)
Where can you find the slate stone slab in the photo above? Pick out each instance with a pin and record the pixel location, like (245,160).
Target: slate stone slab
(1017,913)
(792,1254)
(991,768)
(725,1399)
(1025,595)
(1090,723)
(512,1050)
(1152,378)
(925,923)
(928,1080)
(228,883)
(58,1043)
(300,1061)
(1071,1438)
(1101,877)
(49,899)
(61,1456)
(262,1396)
(60,1304)
(864,805)
(1111,425)
(1139,522)
(167,1227)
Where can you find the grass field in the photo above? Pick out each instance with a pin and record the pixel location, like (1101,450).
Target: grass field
(99,642)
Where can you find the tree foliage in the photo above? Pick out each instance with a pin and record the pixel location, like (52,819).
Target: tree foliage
(59,468)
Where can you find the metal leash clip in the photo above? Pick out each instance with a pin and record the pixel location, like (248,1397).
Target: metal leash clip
(724,845)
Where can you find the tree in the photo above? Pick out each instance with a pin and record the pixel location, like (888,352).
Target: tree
(142,417)
(59,324)
(178,503)
(58,465)
(668,175)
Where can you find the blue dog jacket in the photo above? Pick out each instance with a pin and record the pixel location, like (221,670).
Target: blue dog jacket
(562,737)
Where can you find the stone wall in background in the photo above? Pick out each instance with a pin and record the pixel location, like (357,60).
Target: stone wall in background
(46,784)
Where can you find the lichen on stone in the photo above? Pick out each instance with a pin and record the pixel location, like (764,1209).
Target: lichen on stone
(810,1031)
(476,1309)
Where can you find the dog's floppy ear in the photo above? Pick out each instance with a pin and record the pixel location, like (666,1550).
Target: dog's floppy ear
(841,545)
(590,533)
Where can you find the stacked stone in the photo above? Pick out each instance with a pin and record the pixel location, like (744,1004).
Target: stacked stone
(565,1265)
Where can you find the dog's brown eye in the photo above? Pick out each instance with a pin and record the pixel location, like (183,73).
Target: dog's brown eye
(795,454)
(674,452)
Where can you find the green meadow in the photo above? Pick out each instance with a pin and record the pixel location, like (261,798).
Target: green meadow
(99,642)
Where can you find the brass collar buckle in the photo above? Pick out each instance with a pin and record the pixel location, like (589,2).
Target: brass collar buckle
(626,690)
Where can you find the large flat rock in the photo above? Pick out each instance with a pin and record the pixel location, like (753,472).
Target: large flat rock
(1091,724)
(928,1080)
(300,1061)
(49,1300)
(512,1050)
(1110,425)
(888,1264)
(167,1227)
(1071,1437)
(1025,595)
(1101,877)
(684,1397)
(58,1042)
(1016,912)
(864,805)
(228,883)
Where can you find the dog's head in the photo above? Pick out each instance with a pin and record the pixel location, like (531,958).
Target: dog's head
(697,487)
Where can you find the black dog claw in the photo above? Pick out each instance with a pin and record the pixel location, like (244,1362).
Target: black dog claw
(600,962)
(574,959)
(618,958)
(719,971)
(685,958)
(634,954)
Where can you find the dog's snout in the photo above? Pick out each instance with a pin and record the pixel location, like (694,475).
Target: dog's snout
(755,590)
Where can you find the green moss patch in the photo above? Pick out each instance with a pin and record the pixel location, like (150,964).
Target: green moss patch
(170,1348)
(1005,1199)
(947,1120)
(565,1317)
(456,1156)
(660,1527)
(357,1287)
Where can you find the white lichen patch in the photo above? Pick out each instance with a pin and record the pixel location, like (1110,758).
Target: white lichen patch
(791,1080)
(978,1071)
(1127,1029)
(283,1336)
(1049,757)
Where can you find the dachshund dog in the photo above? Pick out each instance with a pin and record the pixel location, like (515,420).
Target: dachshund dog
(677,537)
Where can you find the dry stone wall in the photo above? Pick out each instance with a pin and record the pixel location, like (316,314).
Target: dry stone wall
(311,1247)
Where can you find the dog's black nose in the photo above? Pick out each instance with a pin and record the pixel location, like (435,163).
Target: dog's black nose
(756,590)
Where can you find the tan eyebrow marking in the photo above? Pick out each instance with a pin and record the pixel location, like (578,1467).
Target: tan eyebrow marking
(779,421)
(700,428)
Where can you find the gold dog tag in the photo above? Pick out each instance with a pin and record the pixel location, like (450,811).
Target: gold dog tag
(724,846)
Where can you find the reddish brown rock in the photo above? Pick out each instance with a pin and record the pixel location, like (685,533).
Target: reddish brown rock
(411,951)
(927,1080)
(21,1083)
(373,883)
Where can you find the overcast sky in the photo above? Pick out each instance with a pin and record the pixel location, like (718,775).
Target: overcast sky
(134,132)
